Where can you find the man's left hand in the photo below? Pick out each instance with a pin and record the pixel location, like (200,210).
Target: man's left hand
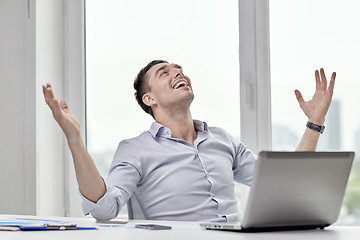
(316,108)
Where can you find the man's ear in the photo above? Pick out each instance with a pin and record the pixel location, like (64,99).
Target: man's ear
(148,100)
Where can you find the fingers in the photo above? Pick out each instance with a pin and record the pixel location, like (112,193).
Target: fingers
(55,108)
(47,91)
(299,97)
(332,82)
(51,101)
(48,94)
(323,79)
(317,79)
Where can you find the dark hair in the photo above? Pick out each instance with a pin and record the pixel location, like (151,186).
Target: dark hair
(141,85)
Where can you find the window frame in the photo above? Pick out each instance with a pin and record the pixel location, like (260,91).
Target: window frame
(255,99)
(74,92)
(255,91)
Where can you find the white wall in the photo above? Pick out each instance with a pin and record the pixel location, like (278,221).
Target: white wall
(31,143)
(17,107)
(50,142)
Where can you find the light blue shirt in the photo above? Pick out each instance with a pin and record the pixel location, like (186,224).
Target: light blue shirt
(176,180)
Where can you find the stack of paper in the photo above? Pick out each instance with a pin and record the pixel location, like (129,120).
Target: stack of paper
(26,224)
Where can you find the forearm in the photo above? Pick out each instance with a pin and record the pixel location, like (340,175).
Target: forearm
(90,182)
(308,141)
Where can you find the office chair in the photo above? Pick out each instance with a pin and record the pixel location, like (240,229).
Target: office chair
(135,211)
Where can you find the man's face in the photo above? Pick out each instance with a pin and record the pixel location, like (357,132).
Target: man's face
(168,86)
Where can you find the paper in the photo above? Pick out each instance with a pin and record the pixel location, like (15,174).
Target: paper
(13,224)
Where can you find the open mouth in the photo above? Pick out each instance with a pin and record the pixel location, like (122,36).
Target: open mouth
(180,84)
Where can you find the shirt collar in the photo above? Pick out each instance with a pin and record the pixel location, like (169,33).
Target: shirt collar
(200,126)
(157,129)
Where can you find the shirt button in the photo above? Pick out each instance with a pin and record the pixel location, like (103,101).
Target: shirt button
(212,195)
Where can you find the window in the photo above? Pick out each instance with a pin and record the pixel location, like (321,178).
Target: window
(305,36)
(122,37)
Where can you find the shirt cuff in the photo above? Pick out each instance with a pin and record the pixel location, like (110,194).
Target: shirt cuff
(88,205)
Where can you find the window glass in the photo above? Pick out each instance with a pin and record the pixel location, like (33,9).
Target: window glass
(123,36)
(304,36)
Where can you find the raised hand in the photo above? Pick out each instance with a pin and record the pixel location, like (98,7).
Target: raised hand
(316,108)
(90,182)
(68,123)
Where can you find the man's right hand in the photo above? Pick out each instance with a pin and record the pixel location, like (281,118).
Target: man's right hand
(90,182)
(68,123)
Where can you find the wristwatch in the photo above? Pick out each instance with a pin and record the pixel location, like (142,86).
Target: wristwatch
(315,127)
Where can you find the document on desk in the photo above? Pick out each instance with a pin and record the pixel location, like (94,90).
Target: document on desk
(29,224)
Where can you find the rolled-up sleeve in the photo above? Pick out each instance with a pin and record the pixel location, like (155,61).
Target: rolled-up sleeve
(107,207)
(243,165)
(122,181)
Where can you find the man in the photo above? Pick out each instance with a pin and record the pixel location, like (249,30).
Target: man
(180,169)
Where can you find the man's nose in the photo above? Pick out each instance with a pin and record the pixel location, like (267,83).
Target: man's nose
(177,73)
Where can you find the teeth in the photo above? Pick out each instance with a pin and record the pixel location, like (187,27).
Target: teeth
(179,84)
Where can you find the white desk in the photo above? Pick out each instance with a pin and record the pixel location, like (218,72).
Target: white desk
(179,231)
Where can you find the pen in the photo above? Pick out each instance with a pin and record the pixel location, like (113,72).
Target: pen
(49,227)
(60,227)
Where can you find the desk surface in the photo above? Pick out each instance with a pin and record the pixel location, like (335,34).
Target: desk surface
(179,231)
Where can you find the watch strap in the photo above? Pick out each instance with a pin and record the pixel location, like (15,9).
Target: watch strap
(315,127)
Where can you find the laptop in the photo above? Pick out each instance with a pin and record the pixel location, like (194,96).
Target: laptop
(294,190)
